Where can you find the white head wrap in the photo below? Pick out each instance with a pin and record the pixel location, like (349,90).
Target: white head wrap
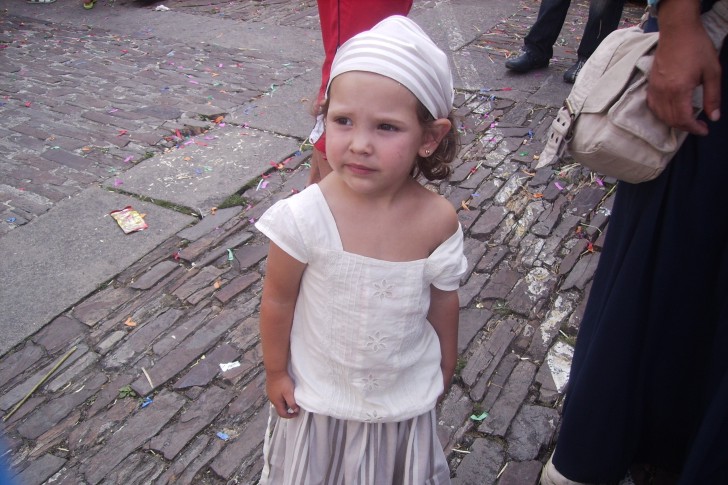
(399,49)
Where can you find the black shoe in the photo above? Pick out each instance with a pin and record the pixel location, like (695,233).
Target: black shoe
(525,62)
(573,71)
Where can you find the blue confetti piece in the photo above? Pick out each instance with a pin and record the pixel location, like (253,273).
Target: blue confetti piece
(11,219)
(147,401)
(231,256)
(223,436)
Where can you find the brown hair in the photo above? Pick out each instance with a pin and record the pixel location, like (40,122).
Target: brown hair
(437,165)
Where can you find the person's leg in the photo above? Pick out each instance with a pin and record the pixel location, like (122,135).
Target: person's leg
(541,38)
(604,17)
(539,42)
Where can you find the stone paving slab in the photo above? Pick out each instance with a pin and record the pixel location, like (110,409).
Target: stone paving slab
(87,101)
(208,168)
(185,24)
(78,242)
(286,108)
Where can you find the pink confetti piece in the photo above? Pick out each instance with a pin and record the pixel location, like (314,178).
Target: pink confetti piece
(600,182)
(129,159)
(118,182)
(193,81)
(558,186)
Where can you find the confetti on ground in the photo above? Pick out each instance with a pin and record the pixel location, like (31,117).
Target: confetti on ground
(479,417)
(229,365)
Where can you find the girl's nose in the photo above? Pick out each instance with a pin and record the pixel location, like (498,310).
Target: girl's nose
(360,141)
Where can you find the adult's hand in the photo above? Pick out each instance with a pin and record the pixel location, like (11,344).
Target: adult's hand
(685,59)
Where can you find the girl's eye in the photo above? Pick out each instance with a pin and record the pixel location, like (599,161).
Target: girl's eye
(388,127)
(342,121)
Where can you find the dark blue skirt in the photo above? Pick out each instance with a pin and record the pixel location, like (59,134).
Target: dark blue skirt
(649,379)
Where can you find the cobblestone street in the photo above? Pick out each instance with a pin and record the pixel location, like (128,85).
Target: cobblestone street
(164,380)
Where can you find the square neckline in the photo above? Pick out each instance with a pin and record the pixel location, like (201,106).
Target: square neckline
(330,219)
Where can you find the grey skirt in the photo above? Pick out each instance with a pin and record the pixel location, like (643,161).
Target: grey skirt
(312,449)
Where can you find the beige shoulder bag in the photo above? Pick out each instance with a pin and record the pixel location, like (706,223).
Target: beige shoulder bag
(605,123)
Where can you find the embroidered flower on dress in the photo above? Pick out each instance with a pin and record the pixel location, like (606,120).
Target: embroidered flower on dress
(369,382)
(376,342)
(383,290)
(372,417)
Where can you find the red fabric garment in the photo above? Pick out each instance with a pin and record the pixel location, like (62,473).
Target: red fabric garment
(343,19)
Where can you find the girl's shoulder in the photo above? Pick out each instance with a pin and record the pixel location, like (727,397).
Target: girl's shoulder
(438,213)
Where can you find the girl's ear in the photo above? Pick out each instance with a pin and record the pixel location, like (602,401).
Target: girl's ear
(433,136)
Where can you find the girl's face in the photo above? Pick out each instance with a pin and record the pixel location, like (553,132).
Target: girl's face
(372,131)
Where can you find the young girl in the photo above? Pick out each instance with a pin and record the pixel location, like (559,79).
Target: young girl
(359,314)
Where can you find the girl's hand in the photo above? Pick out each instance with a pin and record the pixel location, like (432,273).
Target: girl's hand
(279,388)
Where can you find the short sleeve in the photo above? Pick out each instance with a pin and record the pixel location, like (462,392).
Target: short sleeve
(447,264)
(280,226)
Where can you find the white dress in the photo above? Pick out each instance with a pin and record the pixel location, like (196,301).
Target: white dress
(363,354)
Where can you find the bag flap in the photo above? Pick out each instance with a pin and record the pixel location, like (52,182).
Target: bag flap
(608,71)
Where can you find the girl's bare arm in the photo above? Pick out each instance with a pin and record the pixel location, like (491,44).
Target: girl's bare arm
(444,316)
(280,291)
